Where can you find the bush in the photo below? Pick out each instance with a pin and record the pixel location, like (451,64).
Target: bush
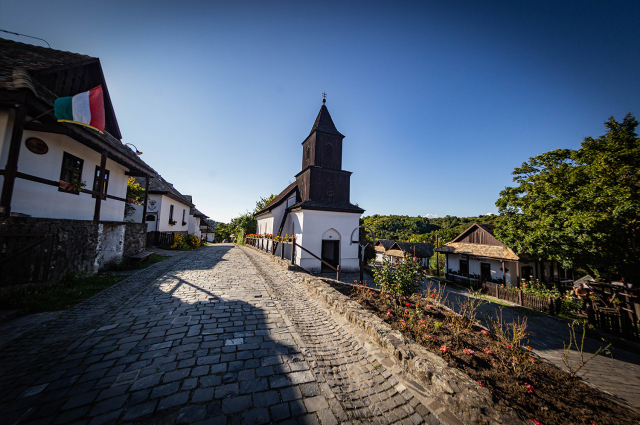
(404,278)
(193,242)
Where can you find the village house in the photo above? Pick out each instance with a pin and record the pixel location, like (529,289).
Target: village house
(381,247)
(422,251)
(63,181)
(168,210)
(316,208)
(207,232)
(476,253)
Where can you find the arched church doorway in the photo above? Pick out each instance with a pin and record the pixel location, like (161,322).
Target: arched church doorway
(330,249)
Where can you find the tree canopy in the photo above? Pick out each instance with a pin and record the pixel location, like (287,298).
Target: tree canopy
(263,202)
(580,207)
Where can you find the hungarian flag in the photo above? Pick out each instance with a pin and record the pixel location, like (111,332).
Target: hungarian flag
(85,108)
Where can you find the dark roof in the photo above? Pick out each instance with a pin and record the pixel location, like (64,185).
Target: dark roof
(44,72)
(159,186)
(327,206)
(25,66)
(196,213)
(420,250)
(280,198)
(386,243)
(324,122)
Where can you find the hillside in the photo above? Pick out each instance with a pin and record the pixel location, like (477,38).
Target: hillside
(422,229)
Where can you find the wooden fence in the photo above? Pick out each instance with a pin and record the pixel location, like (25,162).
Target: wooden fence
(551,305)
(25,258)
(159,239)
(616,322)
(271,246)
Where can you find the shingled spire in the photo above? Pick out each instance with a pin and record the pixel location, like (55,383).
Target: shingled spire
(324,122)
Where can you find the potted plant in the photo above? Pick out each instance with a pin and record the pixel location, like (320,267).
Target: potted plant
(172,222)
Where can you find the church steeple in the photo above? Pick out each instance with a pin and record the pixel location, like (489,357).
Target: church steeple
(324,121)
(323,146)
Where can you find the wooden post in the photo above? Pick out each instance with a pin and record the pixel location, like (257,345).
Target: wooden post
(518,273)
(11,168)
(146,198)
(360,256)
(438,258)
(551,309)
(520,297)
(103,164)
(504,276)
(338,273)
(282,250)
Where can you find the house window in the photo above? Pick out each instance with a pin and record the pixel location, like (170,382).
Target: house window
(171,213)
(464,266)
(71,169)
(151,218)
(329,149)
(183,213)
(96,179)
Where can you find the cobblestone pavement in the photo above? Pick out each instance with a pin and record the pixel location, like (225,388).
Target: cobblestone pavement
(211,336)
(618,376)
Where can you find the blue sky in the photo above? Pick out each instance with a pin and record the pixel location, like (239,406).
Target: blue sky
(439,101)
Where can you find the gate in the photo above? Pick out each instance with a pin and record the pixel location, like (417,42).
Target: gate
(25,258)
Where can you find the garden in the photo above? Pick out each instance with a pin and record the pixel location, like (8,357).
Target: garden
(497,356)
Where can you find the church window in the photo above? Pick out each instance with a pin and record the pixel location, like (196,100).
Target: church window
(330,190)
(329,149)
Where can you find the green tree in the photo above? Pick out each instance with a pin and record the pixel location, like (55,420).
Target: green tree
(263,202)
(135,196)
(580,207)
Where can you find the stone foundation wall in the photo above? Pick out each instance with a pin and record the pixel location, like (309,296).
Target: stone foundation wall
(78,246)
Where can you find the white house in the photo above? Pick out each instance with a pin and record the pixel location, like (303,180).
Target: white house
(478,254)
(52,169)
(316,208)
(167,209)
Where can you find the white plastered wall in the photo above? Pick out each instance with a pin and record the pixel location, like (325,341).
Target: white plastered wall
(42,200)
(309,228)
(164,207)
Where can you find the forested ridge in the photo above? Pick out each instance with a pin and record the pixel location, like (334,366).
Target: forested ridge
(422,229)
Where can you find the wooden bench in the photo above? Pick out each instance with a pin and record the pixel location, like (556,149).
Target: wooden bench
(141,257)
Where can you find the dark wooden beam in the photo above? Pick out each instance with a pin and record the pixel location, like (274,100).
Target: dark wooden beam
(11,168)
(146,198)
(103,166)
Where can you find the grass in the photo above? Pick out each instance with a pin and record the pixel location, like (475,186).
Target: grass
(68,292)
(139,265)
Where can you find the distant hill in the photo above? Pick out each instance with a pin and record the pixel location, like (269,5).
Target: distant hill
(422,229)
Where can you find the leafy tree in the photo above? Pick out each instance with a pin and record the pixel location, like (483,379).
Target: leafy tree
(263,202)
(135,195)
(580,207)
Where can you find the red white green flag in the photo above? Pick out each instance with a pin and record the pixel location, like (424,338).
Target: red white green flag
(85,108)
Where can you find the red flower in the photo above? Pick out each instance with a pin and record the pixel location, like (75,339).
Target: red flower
(408,305)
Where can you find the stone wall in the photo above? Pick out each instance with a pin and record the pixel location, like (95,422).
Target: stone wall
(78,246)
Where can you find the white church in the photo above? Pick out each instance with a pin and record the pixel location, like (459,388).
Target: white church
(316,208)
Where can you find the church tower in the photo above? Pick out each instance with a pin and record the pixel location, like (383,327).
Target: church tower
(316,208)
(322,181)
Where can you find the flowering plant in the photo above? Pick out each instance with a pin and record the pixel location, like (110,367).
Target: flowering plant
(468,351)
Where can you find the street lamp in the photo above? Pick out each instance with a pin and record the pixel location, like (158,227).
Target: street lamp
(137,151)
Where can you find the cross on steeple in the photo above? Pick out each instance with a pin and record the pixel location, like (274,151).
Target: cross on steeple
(324,97)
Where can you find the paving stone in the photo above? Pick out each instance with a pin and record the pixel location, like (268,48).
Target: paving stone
(202,395)
(256,416)
(236,404)
(280,411)
(139,410)
(165,390)
(191,414)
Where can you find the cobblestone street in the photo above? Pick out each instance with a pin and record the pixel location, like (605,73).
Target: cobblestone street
(215,336)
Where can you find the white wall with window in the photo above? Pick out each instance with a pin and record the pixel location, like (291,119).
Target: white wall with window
(47,201)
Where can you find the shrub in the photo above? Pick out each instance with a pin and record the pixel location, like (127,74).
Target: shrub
(193,241)
(404,277)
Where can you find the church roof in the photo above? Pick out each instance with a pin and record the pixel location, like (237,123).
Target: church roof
(327,206)
(279,199)
(324,122)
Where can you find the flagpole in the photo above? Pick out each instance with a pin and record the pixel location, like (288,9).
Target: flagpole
(42,114)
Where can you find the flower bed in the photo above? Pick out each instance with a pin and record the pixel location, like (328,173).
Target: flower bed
(498,359)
